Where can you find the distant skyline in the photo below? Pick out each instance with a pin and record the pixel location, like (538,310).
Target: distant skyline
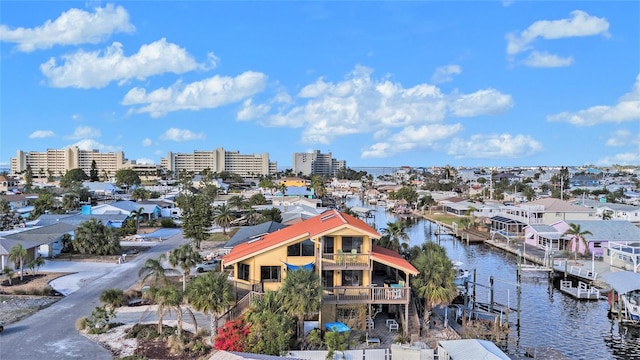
(431,83)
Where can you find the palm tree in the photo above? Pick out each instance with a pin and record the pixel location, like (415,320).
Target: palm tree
(169,299)
(395,233)
(301,294)
(222,216)
(606,215)
(37,262)
(112,298)
(271,326)
(211,293)
(577,237)
(237,202)
(153,269)
(185,257)
(18,255)
(8,273)
(137,214)
(70,201)
(434,283)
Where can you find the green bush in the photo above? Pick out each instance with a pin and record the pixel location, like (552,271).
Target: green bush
(168,223)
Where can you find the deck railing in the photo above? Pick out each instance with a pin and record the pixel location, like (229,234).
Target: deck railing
(366,295)
(343,261)
(634,250)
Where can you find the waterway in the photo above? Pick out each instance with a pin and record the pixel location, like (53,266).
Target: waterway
(548,318)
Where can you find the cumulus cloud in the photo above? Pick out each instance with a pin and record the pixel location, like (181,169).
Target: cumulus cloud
(412,138)
(98,69)
(580,24)
(147,142)
(250,111)
(445,73)
(205,94)
(72,27)
(178,135)
(544,59)
(39,134)
(84,132)
(90,144)
(627,109)
(488,101)
(630,158)
(362,104)
(619,138)
(494,146)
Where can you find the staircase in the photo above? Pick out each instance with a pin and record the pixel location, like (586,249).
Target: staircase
(238,309)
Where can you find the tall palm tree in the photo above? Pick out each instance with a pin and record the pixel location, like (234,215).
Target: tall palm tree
(137,214)
(434,283)
(168,299)
(237,202)
(395,233)
(184,257)
(153,270)
(18,255)
(301,294)
(211,293)
(577,237)
(222,216)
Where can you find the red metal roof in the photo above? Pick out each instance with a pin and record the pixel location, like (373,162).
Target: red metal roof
(326,222)
(392,259)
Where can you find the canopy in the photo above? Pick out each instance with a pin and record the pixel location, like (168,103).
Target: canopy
(337,327)
(623,281)
(308,266)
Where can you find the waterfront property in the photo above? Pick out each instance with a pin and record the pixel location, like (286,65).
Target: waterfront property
(624,300)
(356,275)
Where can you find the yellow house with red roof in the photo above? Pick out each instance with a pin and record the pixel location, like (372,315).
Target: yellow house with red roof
(354,273)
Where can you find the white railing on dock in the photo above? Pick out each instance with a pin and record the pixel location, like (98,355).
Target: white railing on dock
(582,291)
(578,271)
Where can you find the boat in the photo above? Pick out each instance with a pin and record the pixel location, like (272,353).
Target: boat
(463,276)
(624,299)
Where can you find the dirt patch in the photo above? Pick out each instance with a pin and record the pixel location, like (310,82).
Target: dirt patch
(17,307)
(29,283)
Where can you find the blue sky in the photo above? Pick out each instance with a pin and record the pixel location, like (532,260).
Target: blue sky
(487,83)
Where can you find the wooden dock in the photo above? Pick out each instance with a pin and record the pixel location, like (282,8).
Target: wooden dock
(581,292)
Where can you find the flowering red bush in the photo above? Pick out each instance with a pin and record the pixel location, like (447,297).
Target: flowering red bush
(232,335)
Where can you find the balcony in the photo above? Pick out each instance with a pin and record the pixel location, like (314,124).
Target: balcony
(346,261)
(366,295)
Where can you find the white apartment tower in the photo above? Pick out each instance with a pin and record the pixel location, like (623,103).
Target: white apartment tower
(316,163)
(59,161)
(219,160)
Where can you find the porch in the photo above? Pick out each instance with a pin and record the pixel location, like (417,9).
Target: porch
(391,294)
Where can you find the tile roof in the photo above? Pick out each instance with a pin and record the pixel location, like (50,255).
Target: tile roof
(326,222)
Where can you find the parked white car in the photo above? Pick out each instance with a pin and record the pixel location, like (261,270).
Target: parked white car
(208,265)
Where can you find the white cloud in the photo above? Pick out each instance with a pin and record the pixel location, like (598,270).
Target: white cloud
(72,27)
(580,24)
(147,142)
(250,111)
(487,101)
(363,104)
(97,69)
(619,138)
(444,73)
(544,59)
(494,147)
(412,138)
(205,94)
(174,134)
(90,144)
(39,134)
(84,132)
(627,109)
(630,158)
(144,161)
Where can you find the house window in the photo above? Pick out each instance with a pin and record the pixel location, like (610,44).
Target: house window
(304,248)
(352,277)
(243,272)
(270,273)
(328,245)
(351,242)
(327,278)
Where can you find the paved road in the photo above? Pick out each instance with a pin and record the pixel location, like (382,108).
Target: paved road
(51,333)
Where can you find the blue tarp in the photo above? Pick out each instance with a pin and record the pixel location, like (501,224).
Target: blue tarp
(308,266)
(337,326)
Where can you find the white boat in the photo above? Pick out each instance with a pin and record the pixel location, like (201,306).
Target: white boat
(462,274)
(626,285)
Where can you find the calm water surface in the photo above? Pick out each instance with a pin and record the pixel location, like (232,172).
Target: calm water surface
(548,318)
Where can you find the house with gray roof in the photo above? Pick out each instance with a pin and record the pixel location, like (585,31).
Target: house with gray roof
(125,207)
(109,220)
(43,241)
(544,237)
(247,233)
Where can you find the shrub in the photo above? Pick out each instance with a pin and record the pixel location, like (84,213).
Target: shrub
(82,323)
(168,223)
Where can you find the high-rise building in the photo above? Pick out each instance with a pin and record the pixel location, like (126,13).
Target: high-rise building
(58,161)
(316,163)
(219,160)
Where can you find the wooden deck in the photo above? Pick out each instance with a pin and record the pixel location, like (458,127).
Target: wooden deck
(581,292)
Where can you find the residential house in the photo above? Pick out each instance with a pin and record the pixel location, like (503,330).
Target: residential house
(43,241)
(615,211)
(248,233)
(9,184)
(110,220)
(292,181)
(355,273)
(149,210)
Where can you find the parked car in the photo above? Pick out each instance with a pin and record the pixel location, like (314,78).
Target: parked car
(208,265)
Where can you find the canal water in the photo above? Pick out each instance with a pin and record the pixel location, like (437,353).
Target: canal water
(548,318)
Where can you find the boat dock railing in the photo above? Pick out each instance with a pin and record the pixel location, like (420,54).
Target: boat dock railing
(577,271)
(582,291)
